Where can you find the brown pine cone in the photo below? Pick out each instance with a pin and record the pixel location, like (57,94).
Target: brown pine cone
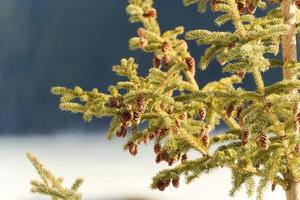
(146,139)
(151,13)
(229,110)
(175,182)
(264,141)
(202,113)
(241,73)
(156,62)
(157,148)
(126,116)
(273,186)
(122,132)
(141,103)
(164,156)
(171,161)
(136,118)
(160,185)
(245,137)
(167,182)
(141,32)
(143,42)
(114,102)
(183,158)
(165,47)
(132,149)
(191,65)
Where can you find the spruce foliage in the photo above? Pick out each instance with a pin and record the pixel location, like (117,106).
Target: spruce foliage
(170,108)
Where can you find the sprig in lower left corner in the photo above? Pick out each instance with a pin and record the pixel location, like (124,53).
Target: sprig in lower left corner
(51,185)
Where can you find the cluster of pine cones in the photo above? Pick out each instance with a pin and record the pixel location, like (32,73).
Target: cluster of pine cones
(162,184)
(244,6)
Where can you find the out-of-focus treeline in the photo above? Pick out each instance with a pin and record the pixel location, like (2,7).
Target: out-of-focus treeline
(46,43)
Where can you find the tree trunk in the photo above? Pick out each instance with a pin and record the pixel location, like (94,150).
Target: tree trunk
(289,53)
(294,192)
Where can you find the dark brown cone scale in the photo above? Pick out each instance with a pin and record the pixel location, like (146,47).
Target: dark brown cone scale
(157,148)
(160,185)
(241,8)
(191,65)
(264,141)
(251,8)
(245,137)
(175,182)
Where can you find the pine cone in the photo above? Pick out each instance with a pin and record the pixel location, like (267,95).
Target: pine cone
(241,8)
(114,102)
(241,73)
(156,62)
(245,137)
(136,117)
(133,149)
(123,131)
(157,160)
(141,32)
(143,42)
(175,182)
(204,137)
(191,65)
(171,161)
(182,116)
(184,158)
(238,113)
(264,141)
(126,116)
(164,156)
(213,5)
(160,185)
(273,186)
(166,60)
(165,47)
(151,136)
(202,113)
(146,139)
(141,103)
(251,8)
(151,13)
(157,148)
(229,110)
(167,182)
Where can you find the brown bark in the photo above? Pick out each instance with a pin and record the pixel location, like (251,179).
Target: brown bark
(289,53)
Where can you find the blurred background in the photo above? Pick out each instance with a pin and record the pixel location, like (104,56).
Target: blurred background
(46,43)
